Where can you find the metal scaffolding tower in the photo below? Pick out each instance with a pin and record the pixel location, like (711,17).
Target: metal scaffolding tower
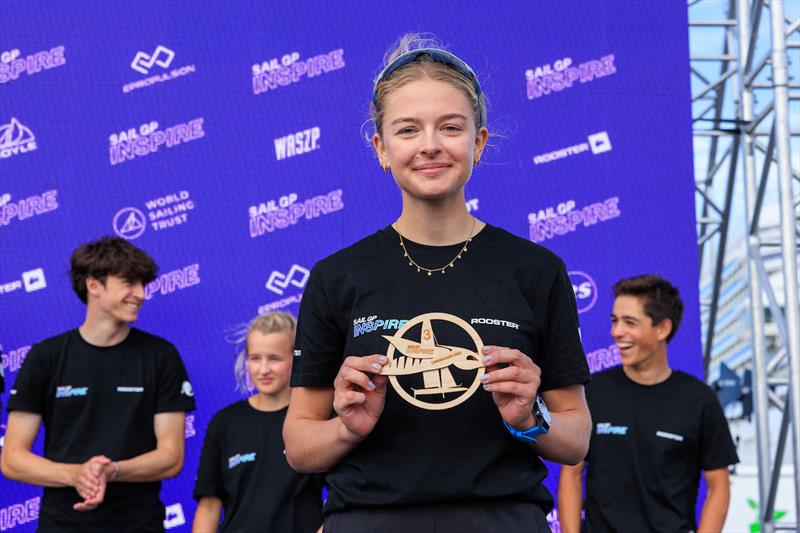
(745,114)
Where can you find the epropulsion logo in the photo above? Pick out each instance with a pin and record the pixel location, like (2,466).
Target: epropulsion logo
(272,73)
(298,143)
(585,290)
(16,139)
(546,79)
(605,428)
(31,280)
(278,282)
(12,65)
(161,57)
(68,391)
(548,224)
(129,223)
(598,143)
(26,208)
(148,138)
(268,217)
(163,212)
(241,458)
(20,513)
(174,516)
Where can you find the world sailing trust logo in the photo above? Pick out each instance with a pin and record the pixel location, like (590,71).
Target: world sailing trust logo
(16,139)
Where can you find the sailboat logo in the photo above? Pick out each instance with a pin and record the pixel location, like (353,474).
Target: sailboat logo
(15,139)
(129,223)
(435,362)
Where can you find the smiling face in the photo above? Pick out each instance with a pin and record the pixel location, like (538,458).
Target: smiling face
(641,343)
(429,139)
(269,361)
(117,298)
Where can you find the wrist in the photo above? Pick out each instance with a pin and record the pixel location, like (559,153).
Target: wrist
(71,475)
(112,471)
(526,424)
(346,435)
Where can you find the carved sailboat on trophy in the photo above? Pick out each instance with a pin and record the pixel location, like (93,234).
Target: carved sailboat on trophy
(432,360)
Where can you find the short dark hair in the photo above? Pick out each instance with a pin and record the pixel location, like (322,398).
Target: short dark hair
(109,256)
(659,298)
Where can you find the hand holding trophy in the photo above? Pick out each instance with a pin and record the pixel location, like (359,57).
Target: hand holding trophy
(357,399)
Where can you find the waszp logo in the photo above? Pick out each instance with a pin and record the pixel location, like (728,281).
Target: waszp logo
(297,276)
(162,57)
(129,223)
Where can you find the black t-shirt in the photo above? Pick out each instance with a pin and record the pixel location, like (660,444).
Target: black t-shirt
(101,401)
(243,464)
(510,291)
(649,444)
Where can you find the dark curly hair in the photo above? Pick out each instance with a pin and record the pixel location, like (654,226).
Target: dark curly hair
(109,256)
(659,298)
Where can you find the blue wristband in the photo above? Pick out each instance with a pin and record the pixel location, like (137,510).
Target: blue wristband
(529,435)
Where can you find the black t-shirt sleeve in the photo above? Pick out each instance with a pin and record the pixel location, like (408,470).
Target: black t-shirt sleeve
(29,392)
(717,449)
(209,477)
(320,342)
(174,390)
(563,361)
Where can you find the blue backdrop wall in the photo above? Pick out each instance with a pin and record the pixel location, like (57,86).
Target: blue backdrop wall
(226,139)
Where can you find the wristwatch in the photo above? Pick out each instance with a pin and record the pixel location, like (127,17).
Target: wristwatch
(542,416)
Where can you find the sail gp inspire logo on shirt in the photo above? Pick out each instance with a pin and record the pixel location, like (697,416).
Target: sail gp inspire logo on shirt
(240,458)
(605,428)
(68,391)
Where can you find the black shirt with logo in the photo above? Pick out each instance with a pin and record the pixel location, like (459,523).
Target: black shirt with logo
(428,448)
(243,464)
(101,401)
(649,444)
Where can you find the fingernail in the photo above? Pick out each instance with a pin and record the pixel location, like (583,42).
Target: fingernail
(486,386)
(484,378)
(487,359)
(376,366)
(486,349)
(371,385)
(382,359)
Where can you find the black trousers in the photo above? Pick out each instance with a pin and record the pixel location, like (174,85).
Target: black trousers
(475,517)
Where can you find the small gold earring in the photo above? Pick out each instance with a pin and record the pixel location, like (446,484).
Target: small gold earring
(477,160)
(385,167)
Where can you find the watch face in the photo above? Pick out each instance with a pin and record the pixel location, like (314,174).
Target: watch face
(542,413)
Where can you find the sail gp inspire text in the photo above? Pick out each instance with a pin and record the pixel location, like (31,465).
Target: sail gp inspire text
(268,217)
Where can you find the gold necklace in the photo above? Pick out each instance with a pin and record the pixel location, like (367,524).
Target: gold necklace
(449,264)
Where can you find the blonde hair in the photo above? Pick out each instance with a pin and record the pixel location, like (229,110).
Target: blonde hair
(423,67)
(275,322)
